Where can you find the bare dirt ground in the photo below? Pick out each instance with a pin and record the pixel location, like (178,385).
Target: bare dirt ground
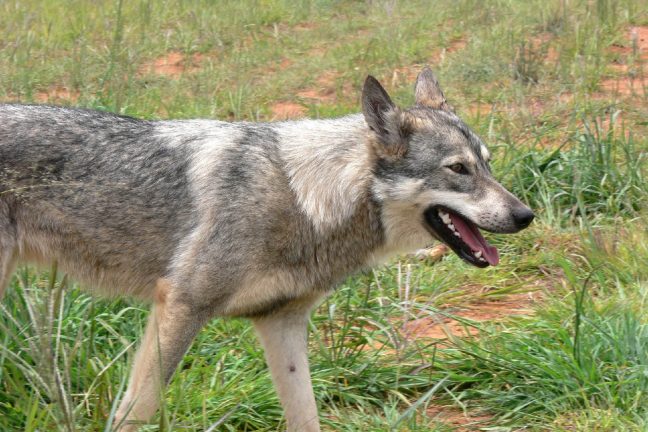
(480,311)
(409,73)
(57,95)
(287,110)
(53,95)
(631,57)
(461,421)
(327,90)
(173,64)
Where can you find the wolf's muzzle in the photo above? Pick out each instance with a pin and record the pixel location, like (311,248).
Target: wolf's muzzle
(523,216)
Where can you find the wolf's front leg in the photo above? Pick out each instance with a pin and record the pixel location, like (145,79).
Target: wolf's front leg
(284,338)
(170,329)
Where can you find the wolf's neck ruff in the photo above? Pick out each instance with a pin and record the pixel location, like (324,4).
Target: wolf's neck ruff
(328,167)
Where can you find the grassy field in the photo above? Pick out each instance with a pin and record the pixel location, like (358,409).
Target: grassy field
(553,339)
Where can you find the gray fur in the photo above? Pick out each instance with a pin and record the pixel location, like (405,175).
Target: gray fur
(207,218)
(97,188)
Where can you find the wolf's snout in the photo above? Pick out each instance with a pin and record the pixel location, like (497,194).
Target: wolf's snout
(523,216)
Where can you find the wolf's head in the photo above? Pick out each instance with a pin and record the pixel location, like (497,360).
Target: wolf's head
(430,165)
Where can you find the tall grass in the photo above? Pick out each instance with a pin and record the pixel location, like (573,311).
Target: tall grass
(578,354)
(596,173)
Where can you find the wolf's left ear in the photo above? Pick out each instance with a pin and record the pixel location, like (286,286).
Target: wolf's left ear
(383,118)
(428,93)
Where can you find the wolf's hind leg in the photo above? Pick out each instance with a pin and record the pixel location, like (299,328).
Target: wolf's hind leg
(170,329)
(8,247)
(283,335)
(7,262)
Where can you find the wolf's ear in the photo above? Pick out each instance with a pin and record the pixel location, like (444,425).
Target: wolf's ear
(428,93)
(377,106)
(383,118)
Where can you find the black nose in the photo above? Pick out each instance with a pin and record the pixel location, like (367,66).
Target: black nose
(523,217)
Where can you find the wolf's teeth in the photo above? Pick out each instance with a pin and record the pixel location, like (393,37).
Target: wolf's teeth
(482,260)
(478,254)
(451,227)
(445,217)
(457,234)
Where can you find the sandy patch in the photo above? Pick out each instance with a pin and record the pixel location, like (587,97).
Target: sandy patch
(285,63)
(461,421)
(318,51)
(443,326)
(328,79)
(478,109)
(625,86)
(408,74)
(320,95)
(287,111)
(629,64)
(305,26)
(325,89)
(639,37)
(173,64)
(457,45)
(542,42)
(57,94)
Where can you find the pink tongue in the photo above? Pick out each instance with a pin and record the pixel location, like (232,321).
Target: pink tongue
(472,237)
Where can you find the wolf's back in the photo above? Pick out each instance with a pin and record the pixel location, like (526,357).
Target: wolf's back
(121,189)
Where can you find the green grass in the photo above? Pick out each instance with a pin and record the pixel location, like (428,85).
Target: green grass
(574,151)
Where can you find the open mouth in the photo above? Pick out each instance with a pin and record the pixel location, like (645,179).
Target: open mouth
(462,236)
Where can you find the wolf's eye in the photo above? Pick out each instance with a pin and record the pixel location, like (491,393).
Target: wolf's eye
(458,168)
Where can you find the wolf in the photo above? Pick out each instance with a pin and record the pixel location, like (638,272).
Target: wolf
(205,218)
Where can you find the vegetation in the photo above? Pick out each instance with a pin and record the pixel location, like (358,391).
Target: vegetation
(556,88)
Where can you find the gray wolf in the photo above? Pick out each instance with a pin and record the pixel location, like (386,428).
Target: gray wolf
(212,219)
